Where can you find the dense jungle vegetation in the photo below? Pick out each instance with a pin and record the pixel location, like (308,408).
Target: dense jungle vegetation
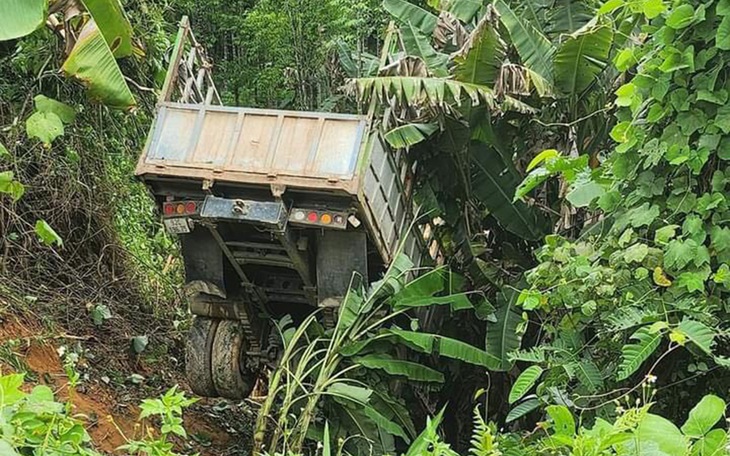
(572,159)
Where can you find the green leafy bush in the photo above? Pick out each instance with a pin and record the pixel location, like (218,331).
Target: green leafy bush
(36,423)
(643,290)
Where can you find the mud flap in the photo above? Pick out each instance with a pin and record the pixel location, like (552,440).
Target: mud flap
(203,260)
(339,255)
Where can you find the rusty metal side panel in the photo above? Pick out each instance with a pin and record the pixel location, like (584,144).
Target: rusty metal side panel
(386,200)
(252,146)
(387,208)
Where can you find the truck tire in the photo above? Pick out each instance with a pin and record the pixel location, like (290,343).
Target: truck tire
(198,356)
(228,355)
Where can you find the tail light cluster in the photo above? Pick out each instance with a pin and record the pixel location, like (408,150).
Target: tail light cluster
(181,208)
(320,218)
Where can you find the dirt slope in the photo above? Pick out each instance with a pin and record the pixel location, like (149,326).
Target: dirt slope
(109,405)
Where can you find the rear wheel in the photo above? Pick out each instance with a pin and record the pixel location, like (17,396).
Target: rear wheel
(230,377)
(198,359)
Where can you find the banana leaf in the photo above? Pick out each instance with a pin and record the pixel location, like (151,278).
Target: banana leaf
(417,44)
(533,47)
(407,12)
(405,136)
(92,62)
(410,90)
(412,371)
(445,346)
(494,181)
(114,25)
(480,60)
(21,17)
(582,57)
(502,337)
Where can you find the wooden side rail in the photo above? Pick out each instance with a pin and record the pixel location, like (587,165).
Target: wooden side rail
(189,78)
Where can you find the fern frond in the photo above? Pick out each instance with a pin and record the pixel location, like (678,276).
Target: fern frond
(588,375)
(634,355)
(483,441)
(624,318)
(531,355)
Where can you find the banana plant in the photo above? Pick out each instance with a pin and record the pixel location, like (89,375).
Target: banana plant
(96,33)
(344,372)
(480,75)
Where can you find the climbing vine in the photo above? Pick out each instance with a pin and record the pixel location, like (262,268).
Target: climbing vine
(642,292)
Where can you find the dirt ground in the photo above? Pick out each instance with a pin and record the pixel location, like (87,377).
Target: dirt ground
(108,408)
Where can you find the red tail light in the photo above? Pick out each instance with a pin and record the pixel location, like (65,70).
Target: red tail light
(325,218)
(178,208)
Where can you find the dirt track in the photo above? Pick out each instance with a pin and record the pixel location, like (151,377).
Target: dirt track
(108,409)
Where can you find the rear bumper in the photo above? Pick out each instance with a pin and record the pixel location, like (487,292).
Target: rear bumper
(272,213)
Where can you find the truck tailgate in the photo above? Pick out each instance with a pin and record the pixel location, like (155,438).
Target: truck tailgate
(255,146)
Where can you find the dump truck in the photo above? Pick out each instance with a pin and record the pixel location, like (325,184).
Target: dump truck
(275,210)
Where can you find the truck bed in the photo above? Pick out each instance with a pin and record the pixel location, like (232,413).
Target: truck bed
(305,150)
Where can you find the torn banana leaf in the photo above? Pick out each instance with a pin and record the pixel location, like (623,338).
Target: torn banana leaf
(92,62)
(114,25)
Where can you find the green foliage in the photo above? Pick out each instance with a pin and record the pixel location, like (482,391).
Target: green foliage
(534,48)
(429,442)
(407,12)
(139,343)
(645,283)
(286,54)
(406,136)
(345,375)
(35,423)
(480,59)
(91,59)
(45,126)
(411,90)
(92,62)
(522,409)
(398,367)
(113,24)
(633,355)
(634,431)
(417,44)
(100,313)
(494,182)
(704,416)
(21,17)
(10,186)
(169,409)
(503,336)
(47,234)
(64,112)
(524,383)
